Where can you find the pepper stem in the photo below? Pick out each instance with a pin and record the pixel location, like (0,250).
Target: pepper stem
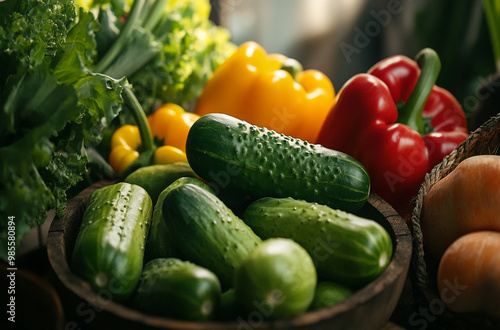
(411,113)
(140,119)
(292,66)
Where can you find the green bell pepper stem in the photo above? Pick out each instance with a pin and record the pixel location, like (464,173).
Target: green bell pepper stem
(121,42)
(411,113)
(492,12)
(292,66)
(141,120)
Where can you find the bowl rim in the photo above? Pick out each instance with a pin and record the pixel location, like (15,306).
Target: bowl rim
(57,246)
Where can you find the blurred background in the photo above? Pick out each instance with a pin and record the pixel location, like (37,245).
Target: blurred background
(346,37)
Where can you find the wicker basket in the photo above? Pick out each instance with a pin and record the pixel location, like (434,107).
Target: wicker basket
(483,141)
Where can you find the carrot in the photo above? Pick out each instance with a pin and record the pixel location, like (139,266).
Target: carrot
(465,201)
(469,274)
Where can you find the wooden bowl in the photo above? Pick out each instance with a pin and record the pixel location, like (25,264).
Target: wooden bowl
(369,308)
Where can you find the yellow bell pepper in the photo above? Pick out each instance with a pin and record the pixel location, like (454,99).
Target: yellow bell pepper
(266,90)
(169,124)
(124,144)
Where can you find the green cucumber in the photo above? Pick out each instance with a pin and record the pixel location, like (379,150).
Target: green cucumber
(328,294)
(228,310)
(277,280)
(178,289)
(231,154)
(345,248)
(109,248)
(160,242)
(206,231)
(155,178)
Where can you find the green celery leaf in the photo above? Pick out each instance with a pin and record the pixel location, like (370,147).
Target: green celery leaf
(74,60)
(101,96)
(141,48)
(109,31)
(24,193)
(33,103)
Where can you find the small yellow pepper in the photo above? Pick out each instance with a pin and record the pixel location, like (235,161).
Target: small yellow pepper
(269,90)
(124,144)
(169,124)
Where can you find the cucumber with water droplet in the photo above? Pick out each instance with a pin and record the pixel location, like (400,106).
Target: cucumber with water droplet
(109,248)
(161,243)
(171,287)
(206,231)
(345,248)
(231,154)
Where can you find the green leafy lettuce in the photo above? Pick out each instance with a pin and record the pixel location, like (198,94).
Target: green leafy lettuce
(64,69)
(51,105)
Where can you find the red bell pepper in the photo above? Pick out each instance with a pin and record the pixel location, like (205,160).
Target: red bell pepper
(397,123)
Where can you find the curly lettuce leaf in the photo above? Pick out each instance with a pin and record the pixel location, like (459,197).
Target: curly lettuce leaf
(52,107)
(31,31)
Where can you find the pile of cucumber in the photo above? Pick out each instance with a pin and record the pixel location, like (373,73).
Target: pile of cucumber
(257,222)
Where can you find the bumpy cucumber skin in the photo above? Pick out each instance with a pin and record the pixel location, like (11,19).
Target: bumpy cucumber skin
(277,279)
(155,178)
(206,231)
(178,289)
(109,248)
(160,242)
(230,153)
(345,248)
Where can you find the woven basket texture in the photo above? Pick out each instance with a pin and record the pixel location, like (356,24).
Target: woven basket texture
(483,141)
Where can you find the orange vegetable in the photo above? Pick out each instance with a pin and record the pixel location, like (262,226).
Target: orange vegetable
(469,274)
(465,201)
